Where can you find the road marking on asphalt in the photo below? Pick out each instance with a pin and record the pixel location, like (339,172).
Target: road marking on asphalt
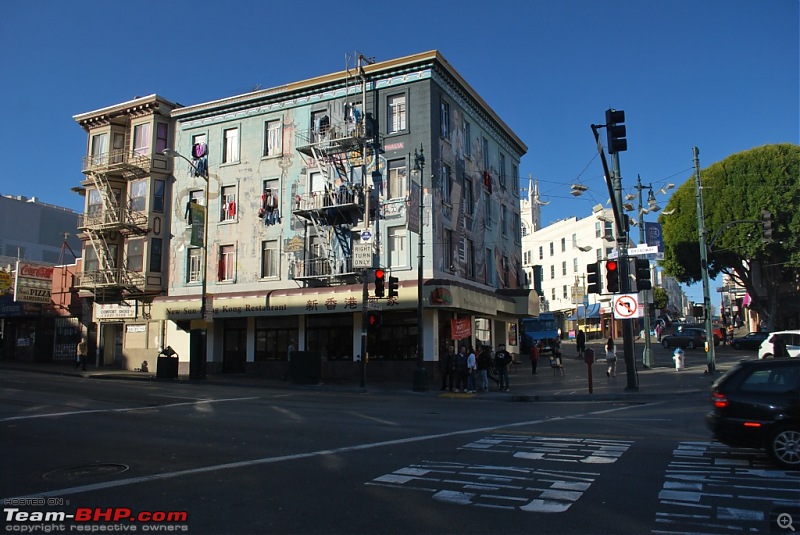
(125,409)
(296,456)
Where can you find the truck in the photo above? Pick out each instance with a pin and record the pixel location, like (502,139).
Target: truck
(542,328)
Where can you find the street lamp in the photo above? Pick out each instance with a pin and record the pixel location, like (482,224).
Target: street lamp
(201,368)
(418,173)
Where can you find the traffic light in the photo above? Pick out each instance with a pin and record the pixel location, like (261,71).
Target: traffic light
(373,320)
(615,131)
(380,282)
(612,276)
(766,225)
(592,279)
(643,281)
(699,311)
(393,282)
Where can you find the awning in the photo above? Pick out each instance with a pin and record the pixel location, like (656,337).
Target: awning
(592,311)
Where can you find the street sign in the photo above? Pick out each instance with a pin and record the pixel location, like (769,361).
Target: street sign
(362,255)
(626,306)
(643,250)
(366,236)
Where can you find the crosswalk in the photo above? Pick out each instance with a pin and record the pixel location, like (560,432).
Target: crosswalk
(707,487)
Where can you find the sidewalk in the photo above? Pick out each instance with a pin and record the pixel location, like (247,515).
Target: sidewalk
(660,382)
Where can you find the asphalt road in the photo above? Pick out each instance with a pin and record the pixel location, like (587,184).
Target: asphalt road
(238,459)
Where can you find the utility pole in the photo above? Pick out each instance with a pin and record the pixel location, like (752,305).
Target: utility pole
(647,356)
(701,229)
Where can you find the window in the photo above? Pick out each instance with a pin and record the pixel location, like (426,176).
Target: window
(487,212)
(118,147)
(447,183)
(396,115)
(397,178)
(444,119)
(502,165)
(505,271)
(141,139)
(564,267)
(515,179)
(273,138)
(99,148)
(485,149)
(553,294)
(230,150)
(227,263)
(398,246)
(541,253)
(469,252)
(162,133)
(194,261)
(518,228)
(553,271)
(135,254)
(90,261)
(269,258)
(552,249)
(447,253)
(598,230)
(563,245)
(156,245)
(468,199)
(489,267)
(565,293)
(227,209)
(272,337)
(574,265)
(467,140)
(320,124)
(138,195)
(158,195)
(503,220)
(94,203)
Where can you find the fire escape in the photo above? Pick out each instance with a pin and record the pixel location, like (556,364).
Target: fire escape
(103,224)
(335,202)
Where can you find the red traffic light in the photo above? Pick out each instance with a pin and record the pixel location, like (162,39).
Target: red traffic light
(611,265)
(379,274)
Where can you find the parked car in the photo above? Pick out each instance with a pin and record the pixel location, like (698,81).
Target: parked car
(717,330)
(688,338)
(756,404)
(749,341)
(790,338)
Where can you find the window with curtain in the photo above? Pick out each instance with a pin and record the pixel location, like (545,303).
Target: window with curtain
(273,138)
(269,258)
(99,148)
(162,133)
(138,195)
(158,195)
(396,115)
(227,263)
(156,256)
(141,139)
(447,183)
(135,254)
(94,203)
(227,209)
(397,172)
(230,150)
(398,247)
(444,119)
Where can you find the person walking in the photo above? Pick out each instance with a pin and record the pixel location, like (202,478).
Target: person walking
(611,358)
(82,353)
(501,361)
(534,356)
(557,350)
(730,333)
(484,364)
(447,367)
(461,370)
(291,349)
(580,341)
(472,370)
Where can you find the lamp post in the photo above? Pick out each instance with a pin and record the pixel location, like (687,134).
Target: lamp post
(418,171)
(647,357)
(201,368)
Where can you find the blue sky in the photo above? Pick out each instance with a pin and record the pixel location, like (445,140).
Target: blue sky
(721,75)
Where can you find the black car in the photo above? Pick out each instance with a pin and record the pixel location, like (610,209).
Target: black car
(688,338)
(749,341)
(757,405)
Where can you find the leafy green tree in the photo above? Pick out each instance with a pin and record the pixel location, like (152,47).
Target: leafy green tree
(735,192)
(660,298)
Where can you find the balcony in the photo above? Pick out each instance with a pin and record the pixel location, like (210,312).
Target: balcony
(118,161)
(336,138)
(125,221)
(322,268)
(341,206)
(111,279)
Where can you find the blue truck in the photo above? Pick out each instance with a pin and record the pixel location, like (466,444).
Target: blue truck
(543,329)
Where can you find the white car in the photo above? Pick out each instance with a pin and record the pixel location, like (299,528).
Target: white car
(790,338)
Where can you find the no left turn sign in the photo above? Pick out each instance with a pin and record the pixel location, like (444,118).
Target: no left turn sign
(626,306)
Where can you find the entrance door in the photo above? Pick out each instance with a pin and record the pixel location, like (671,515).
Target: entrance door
(110,344)
(234,341)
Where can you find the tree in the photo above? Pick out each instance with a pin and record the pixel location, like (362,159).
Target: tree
(660,298)
(735,191)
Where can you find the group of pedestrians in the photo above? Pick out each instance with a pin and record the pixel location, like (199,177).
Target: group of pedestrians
(467,372)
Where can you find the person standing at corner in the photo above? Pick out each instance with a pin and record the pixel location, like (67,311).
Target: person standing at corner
(484,363)
(291,349)
(447,367)
(462,370)
(502,359)
(82,354)
(534,356)
(611,358)
(472,370)
(580,341)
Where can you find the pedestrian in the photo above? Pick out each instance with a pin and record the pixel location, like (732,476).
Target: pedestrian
(557,349)
(730,333)
(472,370)
(291,349)
(580,341)
(779,349)
(447,367)
(462,370)
(82,352)
(501,360)
(534,356)
(611,358)
(658,331)
(484,364)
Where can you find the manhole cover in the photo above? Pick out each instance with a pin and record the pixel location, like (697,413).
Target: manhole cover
(85,472)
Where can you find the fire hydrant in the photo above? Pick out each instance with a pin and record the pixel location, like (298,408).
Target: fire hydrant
(677,356)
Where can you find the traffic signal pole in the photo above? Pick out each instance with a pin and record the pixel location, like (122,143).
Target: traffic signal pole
(701,229)
(647,357)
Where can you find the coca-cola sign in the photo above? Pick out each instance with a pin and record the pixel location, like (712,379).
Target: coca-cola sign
(35,271)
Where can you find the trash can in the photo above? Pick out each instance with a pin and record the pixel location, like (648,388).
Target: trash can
(167,364)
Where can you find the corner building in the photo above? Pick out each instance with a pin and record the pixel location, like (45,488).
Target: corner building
(304,180)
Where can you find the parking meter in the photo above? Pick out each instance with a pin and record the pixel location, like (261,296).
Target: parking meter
(588,355)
